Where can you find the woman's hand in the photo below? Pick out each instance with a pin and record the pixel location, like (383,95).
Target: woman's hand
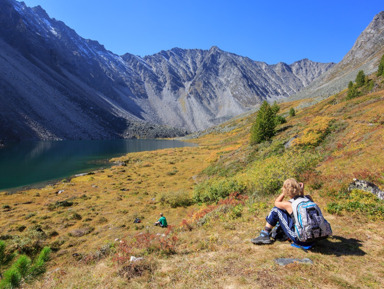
(302,188)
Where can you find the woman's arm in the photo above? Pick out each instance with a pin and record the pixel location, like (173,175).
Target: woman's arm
(283,205)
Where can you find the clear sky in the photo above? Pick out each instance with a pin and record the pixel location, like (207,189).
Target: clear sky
(266,30)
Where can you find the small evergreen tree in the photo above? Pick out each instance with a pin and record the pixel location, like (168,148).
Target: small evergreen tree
(352,92)
(350,85)
(360,79)
(264,125)
(380,70)
(275,108)
(292,112)
(279,119)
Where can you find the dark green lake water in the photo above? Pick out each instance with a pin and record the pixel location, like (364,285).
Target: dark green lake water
(30,163)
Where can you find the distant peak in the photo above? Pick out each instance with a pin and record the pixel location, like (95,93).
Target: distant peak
(378,21)
(215,49)
(40,11)
(378,17)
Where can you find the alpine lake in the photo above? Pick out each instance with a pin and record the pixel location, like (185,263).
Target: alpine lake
(34,163)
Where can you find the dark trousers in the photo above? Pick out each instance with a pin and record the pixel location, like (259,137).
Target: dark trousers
(287,223)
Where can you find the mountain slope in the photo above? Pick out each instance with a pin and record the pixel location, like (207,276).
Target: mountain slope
(364,55)
(57,85)
(201,88)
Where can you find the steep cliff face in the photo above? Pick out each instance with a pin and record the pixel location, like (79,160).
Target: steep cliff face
(56,85)
(364,55)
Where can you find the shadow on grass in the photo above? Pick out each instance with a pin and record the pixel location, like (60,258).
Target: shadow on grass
(284,128)
(339,246)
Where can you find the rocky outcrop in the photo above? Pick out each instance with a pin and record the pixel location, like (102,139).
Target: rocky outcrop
(367,187)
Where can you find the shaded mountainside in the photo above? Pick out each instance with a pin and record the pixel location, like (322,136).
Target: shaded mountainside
(364,55)
(56,85)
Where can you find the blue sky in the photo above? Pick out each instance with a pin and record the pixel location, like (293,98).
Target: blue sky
(270,31)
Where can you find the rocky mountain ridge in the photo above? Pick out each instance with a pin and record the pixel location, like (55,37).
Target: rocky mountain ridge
(364,55)
(57,85)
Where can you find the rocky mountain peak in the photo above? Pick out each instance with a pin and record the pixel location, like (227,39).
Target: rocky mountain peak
(215,49)
(64,86)
(364,55)
(369,41)
(378,20)
(40,11)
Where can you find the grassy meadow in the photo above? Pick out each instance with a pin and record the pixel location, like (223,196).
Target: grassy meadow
(215,197)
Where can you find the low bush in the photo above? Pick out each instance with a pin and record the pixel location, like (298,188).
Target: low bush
(11,279)
(176,199)
(146,243)
(59,204)
(2,252)
(315,132)
(231,207)
(5,257)
(357,202)
(138,268)
(214,190)
(22,265)
(39,265)
(22,269)
(267,176)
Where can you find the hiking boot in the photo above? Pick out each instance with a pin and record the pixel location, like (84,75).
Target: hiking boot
(262,239)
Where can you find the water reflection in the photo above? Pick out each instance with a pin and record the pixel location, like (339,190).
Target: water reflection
(32,162)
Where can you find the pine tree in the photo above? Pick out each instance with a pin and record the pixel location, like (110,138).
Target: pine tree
(360,79)
(275,108)
(352,92)
(265,124)
(292,112)
(380,70)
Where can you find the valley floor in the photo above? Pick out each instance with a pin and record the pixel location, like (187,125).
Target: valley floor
(88,221)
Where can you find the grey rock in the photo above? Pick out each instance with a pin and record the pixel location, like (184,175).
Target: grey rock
(135,259)
(367,187)
(289,143)
(286,261)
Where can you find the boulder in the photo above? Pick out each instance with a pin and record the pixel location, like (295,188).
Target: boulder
(367,187)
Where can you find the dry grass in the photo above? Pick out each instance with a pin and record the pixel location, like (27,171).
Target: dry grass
(216,253)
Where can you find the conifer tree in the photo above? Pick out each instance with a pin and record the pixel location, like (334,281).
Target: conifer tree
(292,112)
(360,79)
(380,70)
(265,123)
(275,108)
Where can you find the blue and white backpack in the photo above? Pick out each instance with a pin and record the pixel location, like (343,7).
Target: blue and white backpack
(310,224)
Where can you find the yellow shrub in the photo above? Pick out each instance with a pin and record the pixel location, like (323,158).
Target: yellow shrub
(315,132)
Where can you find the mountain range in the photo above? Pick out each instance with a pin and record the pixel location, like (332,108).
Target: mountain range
(54,84)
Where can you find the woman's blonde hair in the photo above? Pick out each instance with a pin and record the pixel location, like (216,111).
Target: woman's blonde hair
(292,188)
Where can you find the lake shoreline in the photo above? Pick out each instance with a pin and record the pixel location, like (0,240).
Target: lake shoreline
(32,165)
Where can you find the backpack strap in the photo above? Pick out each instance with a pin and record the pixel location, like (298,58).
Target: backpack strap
(295,202)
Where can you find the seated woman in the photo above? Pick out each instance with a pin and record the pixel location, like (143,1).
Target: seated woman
(282,213)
